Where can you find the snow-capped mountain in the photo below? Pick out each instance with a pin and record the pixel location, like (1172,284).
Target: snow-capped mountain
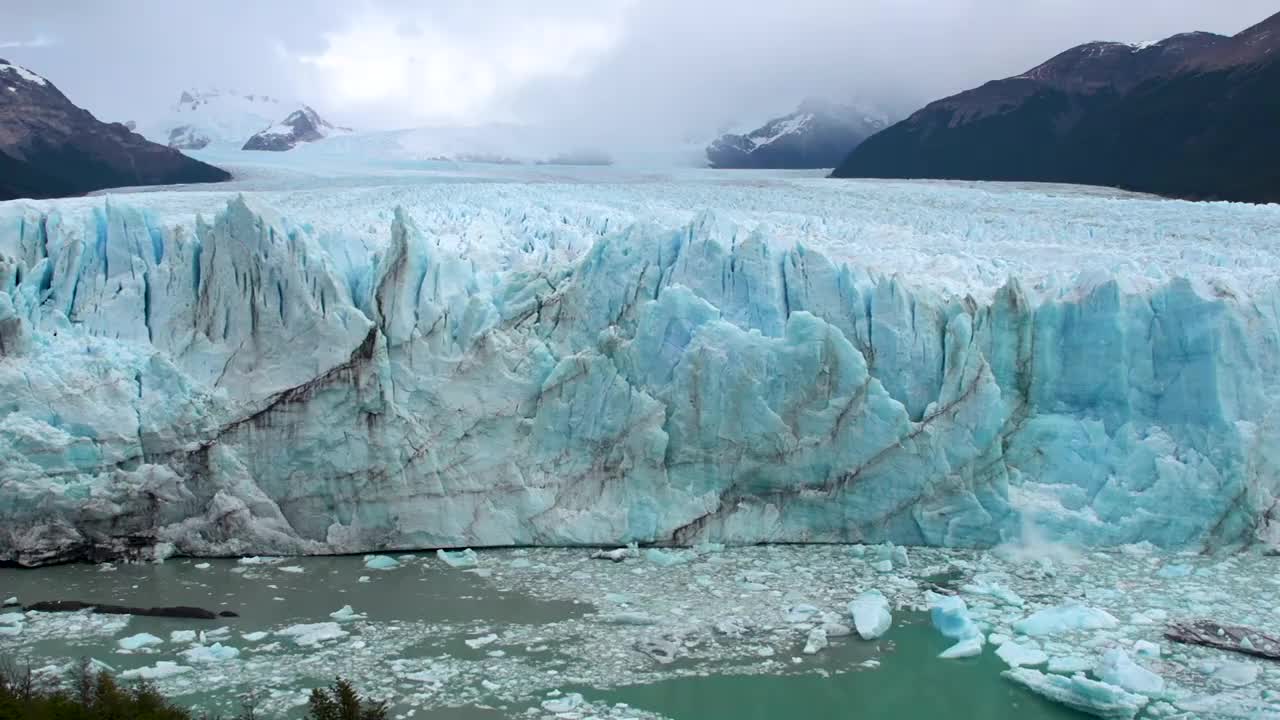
(226,118)
(301,126)
(1191,116)
(49,147)
(818,134)
(202,118)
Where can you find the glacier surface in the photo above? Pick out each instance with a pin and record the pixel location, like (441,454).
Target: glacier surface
(670,361)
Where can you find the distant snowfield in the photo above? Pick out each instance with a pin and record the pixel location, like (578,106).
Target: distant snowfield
(341,354)
(956,237)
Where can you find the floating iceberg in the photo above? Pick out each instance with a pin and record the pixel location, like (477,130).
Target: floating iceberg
(1065,619)
(214,653)
(381,562)
(1081,693)
(871,616)
(307,634)
(950,615)
(595,365)
(139,641)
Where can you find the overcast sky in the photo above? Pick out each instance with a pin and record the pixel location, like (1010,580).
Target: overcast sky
(637,67)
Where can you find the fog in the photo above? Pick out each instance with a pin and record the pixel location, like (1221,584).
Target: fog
(624,70)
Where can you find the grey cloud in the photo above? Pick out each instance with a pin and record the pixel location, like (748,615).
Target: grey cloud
(675,69)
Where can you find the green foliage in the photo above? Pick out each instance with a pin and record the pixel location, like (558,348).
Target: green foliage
(97,696)
(340,701)
(91,697)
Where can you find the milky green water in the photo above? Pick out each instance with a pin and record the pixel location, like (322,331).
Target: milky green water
(911,683)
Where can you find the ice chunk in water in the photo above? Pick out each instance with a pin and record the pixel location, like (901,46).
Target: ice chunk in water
(1078,692)
(480,642)
(801,613)
(139,641)
(1065,618)
(461,559)
(13,600)
(969,647)
(381,562)
(214,653)
(1070,664)
(308,634)
(1119,669)
(1017,655)
(950,615)
(346,614)
(871,616)
(162,669)
(182,636)
(255,636)
(563,704)
(667,558)
(817,640)
(1236,674)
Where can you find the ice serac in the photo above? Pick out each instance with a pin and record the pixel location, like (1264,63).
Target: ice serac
(228,386)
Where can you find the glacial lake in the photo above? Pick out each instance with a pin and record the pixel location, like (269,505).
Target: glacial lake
(517,633)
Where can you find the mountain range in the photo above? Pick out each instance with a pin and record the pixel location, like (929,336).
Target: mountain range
(817,135)
(49,147)
(226,118)
(1191,116)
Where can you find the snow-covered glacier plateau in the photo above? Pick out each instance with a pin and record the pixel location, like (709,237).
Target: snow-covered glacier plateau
(646,358)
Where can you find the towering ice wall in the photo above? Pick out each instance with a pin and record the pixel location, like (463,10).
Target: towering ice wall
(240,386)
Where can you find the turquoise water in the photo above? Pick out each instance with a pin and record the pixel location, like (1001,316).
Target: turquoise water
(425,613)
(911,683)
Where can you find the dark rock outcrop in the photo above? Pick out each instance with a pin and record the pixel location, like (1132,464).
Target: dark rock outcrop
(180,611)
(1192,116)
(301,126)
(49,147)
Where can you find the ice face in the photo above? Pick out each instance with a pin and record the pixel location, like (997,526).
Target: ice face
(255,383)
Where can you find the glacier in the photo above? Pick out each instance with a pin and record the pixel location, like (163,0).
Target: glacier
(464,364)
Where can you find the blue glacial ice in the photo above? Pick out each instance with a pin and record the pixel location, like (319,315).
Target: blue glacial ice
(497,365)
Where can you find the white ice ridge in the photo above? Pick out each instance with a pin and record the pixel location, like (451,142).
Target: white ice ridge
(258,384)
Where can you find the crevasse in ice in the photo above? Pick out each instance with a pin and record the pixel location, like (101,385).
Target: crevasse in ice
(248,383)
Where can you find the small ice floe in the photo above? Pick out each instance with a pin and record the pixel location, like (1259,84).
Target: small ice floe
(483,640)
(182,636)
(10,601)
(139,641)
(308,634)
(669,558)
(1118,669)
(562,703)
(257,560)
(202,566)
(381,562)
(984,586)
(950,615)
(970,647)
(255,636)
(617,555)
(295,569)
(11,623)
(1146,648)
(1080,693)
(461,559)
(659,650)
(816,641)
(871,616)
(214,653)
(1070,664)
(159,671)
(800,614)
(1236,674)
(1015,654)
(1064,619)
(346,614)
(628,618)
